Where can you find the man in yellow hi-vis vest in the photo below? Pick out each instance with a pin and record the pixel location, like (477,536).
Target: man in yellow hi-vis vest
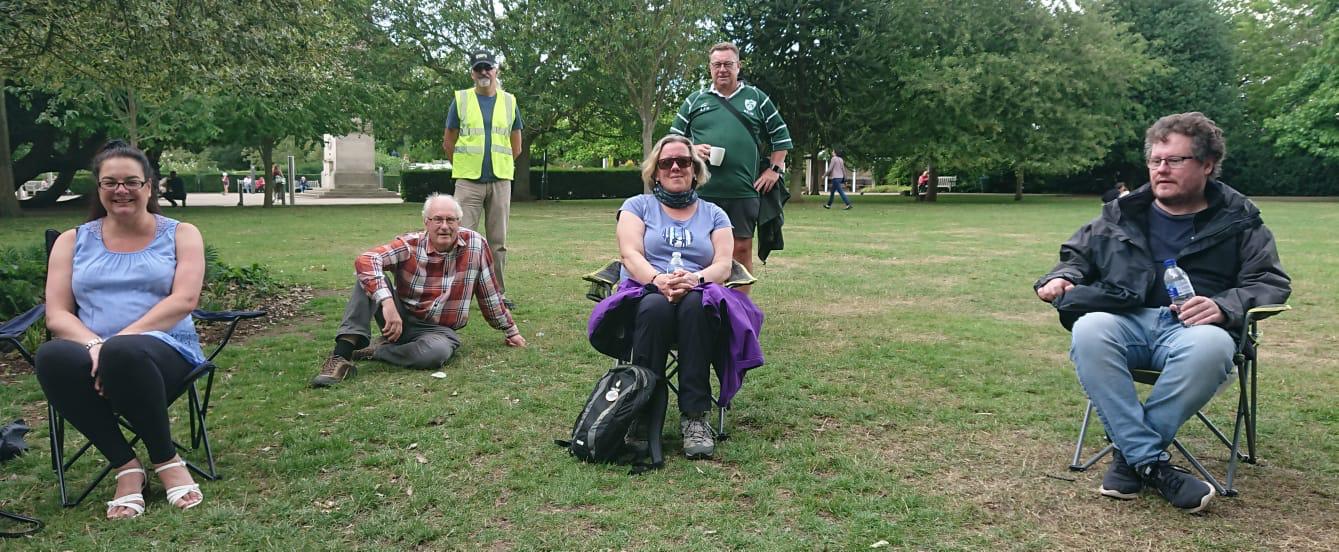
(482,141)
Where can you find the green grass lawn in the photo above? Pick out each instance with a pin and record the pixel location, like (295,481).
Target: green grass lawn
(916,392)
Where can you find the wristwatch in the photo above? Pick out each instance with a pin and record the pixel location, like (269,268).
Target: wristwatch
(778,169)
(701,279)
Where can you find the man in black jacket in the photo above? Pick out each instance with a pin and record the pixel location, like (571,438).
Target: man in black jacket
(1108,289)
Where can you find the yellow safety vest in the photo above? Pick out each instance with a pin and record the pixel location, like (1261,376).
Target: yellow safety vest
(468,160)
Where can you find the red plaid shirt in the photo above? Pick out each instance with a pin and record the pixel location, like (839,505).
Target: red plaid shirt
(436,287)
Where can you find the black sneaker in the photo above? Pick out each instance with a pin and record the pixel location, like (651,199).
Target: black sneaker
(1121,481)
(1177,485)
(827,205)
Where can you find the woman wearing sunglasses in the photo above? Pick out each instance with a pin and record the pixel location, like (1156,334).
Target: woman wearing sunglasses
(119,293)
(668,300)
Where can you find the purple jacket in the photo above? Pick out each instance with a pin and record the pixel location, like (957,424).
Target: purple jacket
(610,329)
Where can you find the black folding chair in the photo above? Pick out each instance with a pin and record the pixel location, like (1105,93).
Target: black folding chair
(602,283)
(1245,361)
(12,332)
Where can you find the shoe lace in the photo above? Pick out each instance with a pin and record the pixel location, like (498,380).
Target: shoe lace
(331,366)
(696,430)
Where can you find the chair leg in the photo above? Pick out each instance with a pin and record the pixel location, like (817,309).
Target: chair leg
(1074,464)
(1204,472)
(1251,416)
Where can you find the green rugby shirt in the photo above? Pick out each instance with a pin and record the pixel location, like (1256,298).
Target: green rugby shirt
(705,121)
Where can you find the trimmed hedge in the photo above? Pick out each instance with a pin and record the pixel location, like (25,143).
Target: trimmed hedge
(586,183)
(415,185)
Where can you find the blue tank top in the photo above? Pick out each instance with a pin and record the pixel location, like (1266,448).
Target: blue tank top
(112,290)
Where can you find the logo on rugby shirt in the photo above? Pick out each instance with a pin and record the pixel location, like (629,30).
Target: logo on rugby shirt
(749,105)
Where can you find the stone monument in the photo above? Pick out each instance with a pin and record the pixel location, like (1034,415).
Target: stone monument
(349,168)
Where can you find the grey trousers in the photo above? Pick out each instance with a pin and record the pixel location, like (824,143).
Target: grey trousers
(490,201)
(422,345)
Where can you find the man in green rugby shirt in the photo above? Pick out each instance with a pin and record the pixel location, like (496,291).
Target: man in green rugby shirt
(736,183)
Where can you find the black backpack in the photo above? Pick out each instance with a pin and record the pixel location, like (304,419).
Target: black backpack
(626,392)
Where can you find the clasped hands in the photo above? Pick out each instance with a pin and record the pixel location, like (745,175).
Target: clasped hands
(675,285)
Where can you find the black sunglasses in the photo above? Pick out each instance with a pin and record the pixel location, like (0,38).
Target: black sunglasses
(665,163)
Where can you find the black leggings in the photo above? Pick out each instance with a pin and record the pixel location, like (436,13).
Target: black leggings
(659,325)
(137,371)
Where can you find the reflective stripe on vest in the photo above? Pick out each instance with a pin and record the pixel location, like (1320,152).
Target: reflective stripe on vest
(469,152)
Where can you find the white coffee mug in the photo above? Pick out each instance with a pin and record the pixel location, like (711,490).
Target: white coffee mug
(717,155)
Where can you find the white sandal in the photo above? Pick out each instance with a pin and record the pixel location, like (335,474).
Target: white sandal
(133,501)
(177,493)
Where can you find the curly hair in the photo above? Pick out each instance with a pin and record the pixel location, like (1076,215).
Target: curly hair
(1205,136)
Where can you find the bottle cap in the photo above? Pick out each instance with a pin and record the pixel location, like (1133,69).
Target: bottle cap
(1169,263)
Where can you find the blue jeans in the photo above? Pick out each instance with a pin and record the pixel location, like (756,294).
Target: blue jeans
(1194,361)
(837,189)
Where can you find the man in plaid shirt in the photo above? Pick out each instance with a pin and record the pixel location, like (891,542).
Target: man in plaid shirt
(436,272)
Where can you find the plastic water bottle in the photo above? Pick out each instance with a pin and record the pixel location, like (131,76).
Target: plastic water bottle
(676,262)
(1177,282)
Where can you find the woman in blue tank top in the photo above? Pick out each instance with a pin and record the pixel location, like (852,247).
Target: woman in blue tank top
(120,290)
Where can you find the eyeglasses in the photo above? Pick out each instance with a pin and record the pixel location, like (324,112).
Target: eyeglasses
(131,184)
(666,163)
(444,220)
(1175,161)
(722,65)
(482,68)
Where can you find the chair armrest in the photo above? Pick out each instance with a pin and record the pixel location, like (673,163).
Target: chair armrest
(739,276)
(226,316)
(231,317)
(1265,311)
(16,326)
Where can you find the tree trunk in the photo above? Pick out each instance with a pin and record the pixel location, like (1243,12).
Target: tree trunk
(9,205)
(266,161)
(520,182)
(932,186)
(1018,183)
(132,116)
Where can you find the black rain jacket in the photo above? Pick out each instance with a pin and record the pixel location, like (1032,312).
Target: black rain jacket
(1231,258)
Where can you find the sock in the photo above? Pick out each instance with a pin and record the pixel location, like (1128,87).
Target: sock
(343,349)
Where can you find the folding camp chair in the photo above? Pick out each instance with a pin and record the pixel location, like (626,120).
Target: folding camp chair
(12,332)
(602,283)
(1245,362)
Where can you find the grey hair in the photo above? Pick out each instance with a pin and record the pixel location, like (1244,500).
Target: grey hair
(427,204)
(700,172)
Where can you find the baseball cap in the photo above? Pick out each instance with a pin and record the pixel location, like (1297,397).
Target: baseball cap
(480,57)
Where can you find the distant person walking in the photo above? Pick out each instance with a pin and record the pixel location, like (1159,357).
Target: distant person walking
(482,140)
(836,175)
(225,183)
(175,190)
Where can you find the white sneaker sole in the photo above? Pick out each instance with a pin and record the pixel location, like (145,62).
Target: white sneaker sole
(1117,494)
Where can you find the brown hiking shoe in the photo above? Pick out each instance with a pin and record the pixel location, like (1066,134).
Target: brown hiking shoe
(366,352)
(334,371)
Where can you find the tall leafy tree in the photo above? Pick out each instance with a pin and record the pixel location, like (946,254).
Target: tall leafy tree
(1193,41)
(1308,106)
(645,53)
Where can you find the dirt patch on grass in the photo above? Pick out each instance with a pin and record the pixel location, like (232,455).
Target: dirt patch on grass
(1019,483)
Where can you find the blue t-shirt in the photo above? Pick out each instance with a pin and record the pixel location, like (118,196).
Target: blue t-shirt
(1167,235)
(486,104)
(665,235)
